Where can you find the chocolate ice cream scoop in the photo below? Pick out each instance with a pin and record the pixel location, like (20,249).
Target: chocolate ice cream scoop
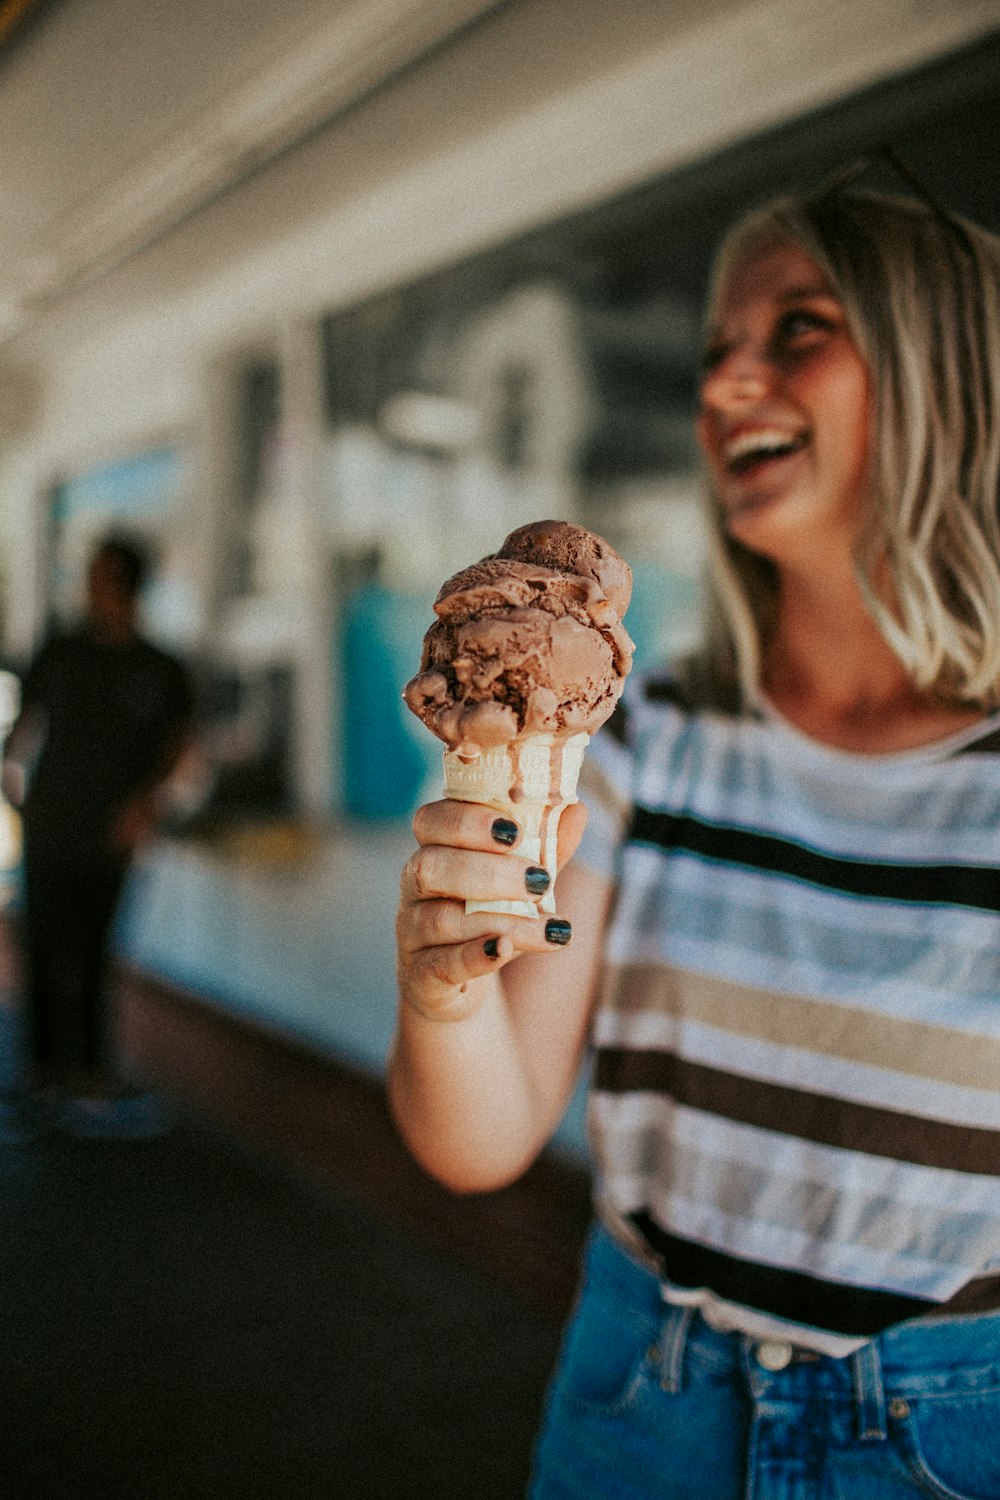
(528,641)
(575,550)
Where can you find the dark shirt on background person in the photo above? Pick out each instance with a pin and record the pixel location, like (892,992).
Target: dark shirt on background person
(104,719)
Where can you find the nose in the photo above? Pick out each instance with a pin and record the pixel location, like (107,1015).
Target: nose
(738,377)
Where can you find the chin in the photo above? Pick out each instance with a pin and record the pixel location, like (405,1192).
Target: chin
(779,534)
(753,519)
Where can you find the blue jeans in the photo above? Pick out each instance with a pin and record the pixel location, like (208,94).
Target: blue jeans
(650,1403)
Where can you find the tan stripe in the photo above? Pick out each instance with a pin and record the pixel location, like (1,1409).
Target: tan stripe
(836,1031)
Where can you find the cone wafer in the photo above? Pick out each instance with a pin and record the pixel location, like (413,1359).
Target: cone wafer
(531,781)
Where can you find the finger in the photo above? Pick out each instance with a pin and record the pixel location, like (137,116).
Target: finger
(434,982)
(435,871)
(465,825)
(432,924)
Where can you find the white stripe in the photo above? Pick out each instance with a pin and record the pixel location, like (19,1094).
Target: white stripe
(872,806)
(878,1225)
(934,965)
(856,1172)
(761,890)
(880,1231)
(785,1249)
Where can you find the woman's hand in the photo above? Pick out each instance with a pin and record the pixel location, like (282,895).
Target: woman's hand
(468,852)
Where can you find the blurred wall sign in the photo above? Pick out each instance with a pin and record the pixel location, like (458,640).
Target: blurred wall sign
(143,485)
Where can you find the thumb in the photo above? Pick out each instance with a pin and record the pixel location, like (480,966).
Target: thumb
(572,823)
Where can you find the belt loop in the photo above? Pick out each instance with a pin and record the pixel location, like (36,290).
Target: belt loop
(869,1393)
(672,1344)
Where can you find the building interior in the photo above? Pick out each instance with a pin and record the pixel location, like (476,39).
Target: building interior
(321,299)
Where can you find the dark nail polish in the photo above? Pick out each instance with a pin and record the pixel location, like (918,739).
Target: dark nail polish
(491,947)
(537,880)
(558,931)
(504,831)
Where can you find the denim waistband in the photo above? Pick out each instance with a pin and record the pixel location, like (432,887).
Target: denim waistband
(927,1356)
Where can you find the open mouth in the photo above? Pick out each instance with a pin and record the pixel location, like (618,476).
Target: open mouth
(745,453)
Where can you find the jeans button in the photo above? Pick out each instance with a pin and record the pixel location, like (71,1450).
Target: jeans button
(773,1354)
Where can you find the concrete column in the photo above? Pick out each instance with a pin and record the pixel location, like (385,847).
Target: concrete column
(213,486)
(314,730)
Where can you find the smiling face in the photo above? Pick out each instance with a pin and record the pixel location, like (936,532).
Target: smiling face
(784,412)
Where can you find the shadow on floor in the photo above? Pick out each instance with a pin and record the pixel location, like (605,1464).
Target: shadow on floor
(272,1301)
(187,1319)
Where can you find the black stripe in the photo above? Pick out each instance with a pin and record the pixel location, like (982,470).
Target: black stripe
(665,688)
(988,745)
(617,725)
(823,1118)
(855,1311)
(976,886)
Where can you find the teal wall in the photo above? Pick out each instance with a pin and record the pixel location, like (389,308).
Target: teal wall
(387,754)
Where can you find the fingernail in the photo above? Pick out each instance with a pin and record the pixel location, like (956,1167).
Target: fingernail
(537,880)
(558,931)
(491,947)
(504,831)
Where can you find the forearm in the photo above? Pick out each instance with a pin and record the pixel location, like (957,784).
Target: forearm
(463,1095)
(493,1008)
(478,1098)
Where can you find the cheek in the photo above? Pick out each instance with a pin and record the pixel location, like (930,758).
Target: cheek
(848,422)
(859,424)
(707,444)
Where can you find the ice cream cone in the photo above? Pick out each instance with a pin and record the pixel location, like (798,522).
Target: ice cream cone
(530,780)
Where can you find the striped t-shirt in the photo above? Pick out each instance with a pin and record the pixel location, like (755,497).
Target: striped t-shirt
(795,1108)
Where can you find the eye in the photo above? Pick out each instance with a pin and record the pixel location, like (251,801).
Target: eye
(713,356)
(798,324)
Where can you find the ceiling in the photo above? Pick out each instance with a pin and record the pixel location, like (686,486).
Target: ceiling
(118,119)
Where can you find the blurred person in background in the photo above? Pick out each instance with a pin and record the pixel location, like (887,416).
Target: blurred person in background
(786,919)
(105,718)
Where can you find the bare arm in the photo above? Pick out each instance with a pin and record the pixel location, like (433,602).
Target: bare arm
(488,1044)
(21,744)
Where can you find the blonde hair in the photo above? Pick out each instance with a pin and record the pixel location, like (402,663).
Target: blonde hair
(921,292)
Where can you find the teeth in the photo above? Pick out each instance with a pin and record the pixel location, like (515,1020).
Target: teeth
(767,440)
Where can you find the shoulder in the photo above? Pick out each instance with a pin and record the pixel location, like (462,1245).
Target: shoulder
(59,643)
(985,740)
(673,692)
(58,648)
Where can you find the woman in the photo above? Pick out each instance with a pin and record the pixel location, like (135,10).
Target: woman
(794,1285)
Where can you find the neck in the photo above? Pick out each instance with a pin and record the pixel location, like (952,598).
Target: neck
(112,632)
(829,670)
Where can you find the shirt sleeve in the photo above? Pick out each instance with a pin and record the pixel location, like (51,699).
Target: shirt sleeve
(35,681)
(606,791)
